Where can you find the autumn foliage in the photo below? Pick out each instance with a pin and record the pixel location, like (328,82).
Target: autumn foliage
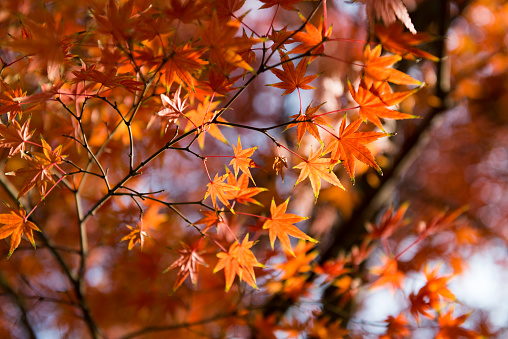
(214,168)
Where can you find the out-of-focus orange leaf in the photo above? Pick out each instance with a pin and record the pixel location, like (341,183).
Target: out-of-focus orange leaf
(395,40)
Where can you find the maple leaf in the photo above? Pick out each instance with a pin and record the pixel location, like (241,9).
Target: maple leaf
(117,21)
(10,100)
(226,8)
(15,137)
(173,108)
(429,296)
(350,145)
(45,46)
(379,68)
(292,78)
(396,41)
(280,38)
(279,164)
(15,224)
(38,172)
(239,260)
(186,11)
(224,47)
(201,117)
(388,11)
(449,327)
(280,225)
(397,328)
(308,122)
(188,262)
(286,4)
(388,274)
(311,40)
(323,328)
(211,219)
(299,263)
(217,190)
(108,78)
(221,84)
(317,168)
(136,236)
(388,224)
(440,221)
(242,160)
(184,63)
(373,107)
(244,193)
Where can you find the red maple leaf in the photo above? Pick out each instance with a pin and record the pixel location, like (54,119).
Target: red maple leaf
(292,78)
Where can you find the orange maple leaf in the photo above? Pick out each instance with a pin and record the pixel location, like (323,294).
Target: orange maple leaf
(15,137)
(211,219)
(350,145)
(449,327)
(388,274)
(308,122)
(300,262)
(46,46)
(201,118)
(224,46)
(317,168)
(311,40)
(244,193)
(188,262)
(280,38)
(109,78)
(239,260)
(280,225)
(279,164)
(429,296)
(388,224)
(292,78)
(373,102)
(10,100)
(242,160)
(184,64)
(38,172)
(397,328)
(378,67)
(136,236)
(15,224)
(217,190)
(395,40)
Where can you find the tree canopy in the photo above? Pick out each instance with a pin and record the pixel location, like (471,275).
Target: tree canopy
(252,169)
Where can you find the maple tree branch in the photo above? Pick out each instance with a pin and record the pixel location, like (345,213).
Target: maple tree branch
(84,143)
(19,303)
(152,329)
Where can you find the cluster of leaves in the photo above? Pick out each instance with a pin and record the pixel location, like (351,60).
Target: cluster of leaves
(122,96)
